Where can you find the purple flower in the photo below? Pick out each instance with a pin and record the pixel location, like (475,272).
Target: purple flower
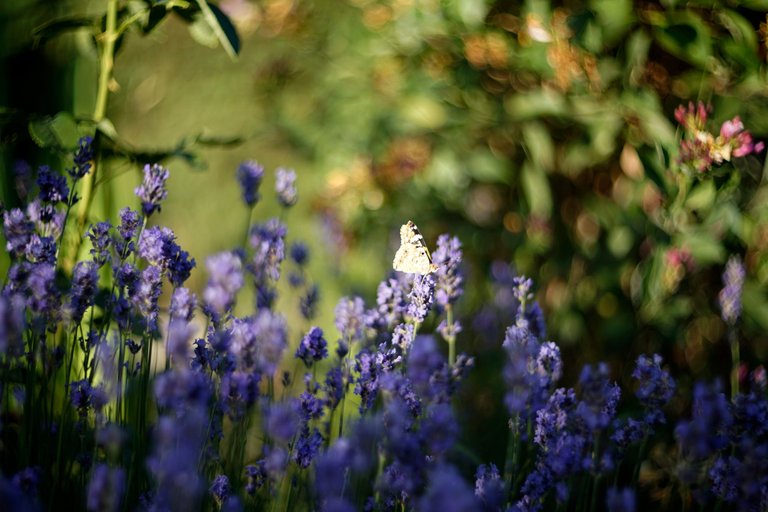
(129,223)
(599,397)
(285,187)
(656,387)
(152,190)
(402,337)
(106,489)
(183,304)
(489,487)
(707,431)
(238,391)
(620,500)
(158,246)
(268,244)
(308,302)
(447,492)
(349,314)
(307,447)
(80,394)
(447,257)
(730,295)
(99,237)
(313,347)
(299,253)
(258,342)
(53,187)
(250,174)
(18,230)
(83,156)
(220,489)
(311,406)
(173,463)
(85,279)
(148,291)
(256,475)
(224,281)
(391,302)
(180,389)
(333,387)
(283,420)
(41,249)
(43,296)
(12,323)
(27,481)
(420,298)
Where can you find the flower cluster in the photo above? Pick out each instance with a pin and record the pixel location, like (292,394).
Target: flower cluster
(700,149)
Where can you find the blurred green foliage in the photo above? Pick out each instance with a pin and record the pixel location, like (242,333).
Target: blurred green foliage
(541,133)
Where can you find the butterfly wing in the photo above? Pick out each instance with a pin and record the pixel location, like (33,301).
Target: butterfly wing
(413,256)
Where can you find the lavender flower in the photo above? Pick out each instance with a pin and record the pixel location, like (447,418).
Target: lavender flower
(220,489)
(447,492)
(48,220)
(152,190)
(447,257)
(333,387)
(391,302)
(53,187)
(599,397)
(99,237)
(349,314)
(83,157)
(85,279)
(283,420)
(147,295)
(489,487)
(656,387)
(18,231)
(183,304)
(299,253)
(307,447)
(420,299)
(12,324)
(106,489)
(178,440)
(313,347)
(285,187)
(41,249)
(225,279)
(620,500)
(268,244)
(308,302)
(707,431)
(158,246)
(250,174)
(258,342)
(730,295)
(256,475)
(129,224)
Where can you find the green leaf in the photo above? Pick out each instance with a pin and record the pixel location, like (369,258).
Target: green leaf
(687,37)
(57,27)
(58,132)
(539,145)
(535,104)
(106,127)
(702,197)
(485,167)
(703,247)
(222,27)
(755,304)
(536,190)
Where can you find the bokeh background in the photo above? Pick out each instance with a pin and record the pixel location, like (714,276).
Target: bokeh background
(541,133)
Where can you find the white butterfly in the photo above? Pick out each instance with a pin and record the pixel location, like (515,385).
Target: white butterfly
(413,256)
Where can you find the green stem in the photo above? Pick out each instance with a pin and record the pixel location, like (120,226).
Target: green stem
(733,340)
(106,65)
(510,462)
(451,339)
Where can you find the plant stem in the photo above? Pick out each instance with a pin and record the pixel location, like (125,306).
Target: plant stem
(733,341)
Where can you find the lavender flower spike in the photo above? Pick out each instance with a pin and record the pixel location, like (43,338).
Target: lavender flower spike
(285,187)
(152,190)
(730,295)
(250,174)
